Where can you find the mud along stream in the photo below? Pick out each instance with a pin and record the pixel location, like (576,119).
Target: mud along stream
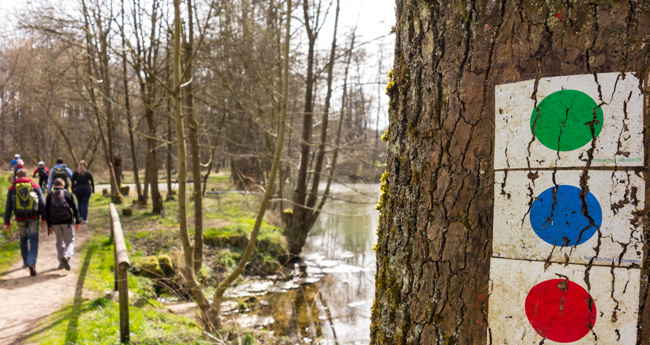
(331,304)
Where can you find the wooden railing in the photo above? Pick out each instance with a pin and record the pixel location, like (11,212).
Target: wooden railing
(122,265)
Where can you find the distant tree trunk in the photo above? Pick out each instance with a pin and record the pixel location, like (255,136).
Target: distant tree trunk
(91,66)
(170,145)
(195,151)
(306,216)
(300,213)
(436,208)
(170,160)
(152,160)
(212,152)
(129,121)
(105,75)
(318,166)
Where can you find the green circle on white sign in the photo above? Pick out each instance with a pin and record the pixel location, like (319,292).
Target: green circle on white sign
(566,120)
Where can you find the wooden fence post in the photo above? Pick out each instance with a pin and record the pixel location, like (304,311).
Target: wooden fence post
(122,265)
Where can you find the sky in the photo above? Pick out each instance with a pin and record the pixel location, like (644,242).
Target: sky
(373,18)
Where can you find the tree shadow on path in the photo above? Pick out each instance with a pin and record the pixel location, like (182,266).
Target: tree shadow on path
(27,280)
(69,314)
(72,333)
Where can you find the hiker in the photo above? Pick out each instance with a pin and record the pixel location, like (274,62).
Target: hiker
(16,164)
(25,200)
(60,170)
(43,173)
(83,186)
(60,212)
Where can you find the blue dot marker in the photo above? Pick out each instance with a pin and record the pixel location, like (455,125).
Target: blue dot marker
(558,219)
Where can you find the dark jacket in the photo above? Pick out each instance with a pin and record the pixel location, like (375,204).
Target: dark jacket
(47,172)
(70,200)
(9,205)
(84,181)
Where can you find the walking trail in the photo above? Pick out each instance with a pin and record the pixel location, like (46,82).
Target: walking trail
(28,301)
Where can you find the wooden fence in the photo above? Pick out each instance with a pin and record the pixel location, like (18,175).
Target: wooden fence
(122,265)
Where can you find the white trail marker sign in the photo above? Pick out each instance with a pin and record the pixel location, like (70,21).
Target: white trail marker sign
(567,238)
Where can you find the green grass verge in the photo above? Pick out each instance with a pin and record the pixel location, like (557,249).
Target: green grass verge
(96,321)
(9,247)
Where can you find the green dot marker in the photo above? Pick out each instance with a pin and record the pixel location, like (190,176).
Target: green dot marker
(566,120)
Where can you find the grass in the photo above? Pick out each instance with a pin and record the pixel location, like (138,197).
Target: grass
(96,322)
(94,319)
(9,244)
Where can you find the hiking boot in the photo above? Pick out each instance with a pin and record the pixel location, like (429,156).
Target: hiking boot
(32,270)
(61,266)
(65,264)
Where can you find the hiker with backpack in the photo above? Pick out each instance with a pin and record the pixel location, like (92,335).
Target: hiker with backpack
(60,170)
(25,201)
(16,164)
(60,212)
(83,186)
(43,174)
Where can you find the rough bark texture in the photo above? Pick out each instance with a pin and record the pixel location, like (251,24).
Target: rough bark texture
(434,238)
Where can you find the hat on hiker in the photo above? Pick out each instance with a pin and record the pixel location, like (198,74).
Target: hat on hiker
(17,155)
(59,161)
(41,163)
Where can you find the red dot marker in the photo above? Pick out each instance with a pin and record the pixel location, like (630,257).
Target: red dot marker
(560,310)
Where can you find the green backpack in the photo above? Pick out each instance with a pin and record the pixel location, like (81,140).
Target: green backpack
(25,200)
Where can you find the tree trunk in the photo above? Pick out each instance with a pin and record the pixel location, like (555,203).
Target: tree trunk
(193,125)
(318,167)
(152,154)
(436,208)
(300,213)
(188,252)
(129,120)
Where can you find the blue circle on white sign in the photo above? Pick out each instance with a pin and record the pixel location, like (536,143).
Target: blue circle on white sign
(559,218)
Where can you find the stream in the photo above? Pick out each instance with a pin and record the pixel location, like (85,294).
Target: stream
(331,305)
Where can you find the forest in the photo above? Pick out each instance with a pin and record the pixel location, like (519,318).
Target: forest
(459,172)
(221,131)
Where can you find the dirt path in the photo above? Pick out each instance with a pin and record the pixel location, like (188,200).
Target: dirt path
(27,301)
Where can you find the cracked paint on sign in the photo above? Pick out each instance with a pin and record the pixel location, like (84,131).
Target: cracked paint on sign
(604,233)
(609,308)
(569,121)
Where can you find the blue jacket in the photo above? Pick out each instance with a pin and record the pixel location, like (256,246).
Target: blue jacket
(14,163)
(51,179)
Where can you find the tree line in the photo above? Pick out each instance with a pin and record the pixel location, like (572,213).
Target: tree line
(182,89)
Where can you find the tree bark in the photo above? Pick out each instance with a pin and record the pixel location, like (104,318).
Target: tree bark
(193,125)
(436,207)
(188,252)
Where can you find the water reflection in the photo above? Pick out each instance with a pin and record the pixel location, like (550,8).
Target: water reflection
(335,309)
